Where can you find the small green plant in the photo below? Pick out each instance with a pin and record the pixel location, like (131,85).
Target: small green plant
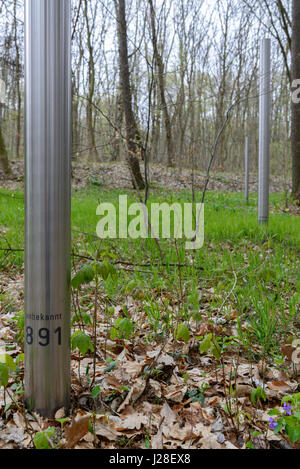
(182,333)
(95,392)
(93,270)
(197,395)
(257,395)
(7,365)
(287,419)
(122,328)
(81,341)
(43,440)
(253,434)
(111,365)
(95,182)
(160,320)
(210,345)
(11,368)
(4,374)
(84,317)
(264,323)
(147,439)
(20,321)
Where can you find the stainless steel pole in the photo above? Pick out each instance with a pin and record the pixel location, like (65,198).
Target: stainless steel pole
(264,130)
(47,213)
(247,169)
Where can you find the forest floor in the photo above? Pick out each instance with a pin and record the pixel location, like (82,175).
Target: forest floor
(194,348)
(116,176)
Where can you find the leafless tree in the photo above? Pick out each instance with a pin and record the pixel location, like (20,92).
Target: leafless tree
(133,138)
(296,106)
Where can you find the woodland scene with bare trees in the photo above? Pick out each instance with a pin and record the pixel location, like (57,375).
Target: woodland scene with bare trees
(165,338)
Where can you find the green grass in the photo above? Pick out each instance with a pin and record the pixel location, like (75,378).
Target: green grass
(264,260)
(227,219)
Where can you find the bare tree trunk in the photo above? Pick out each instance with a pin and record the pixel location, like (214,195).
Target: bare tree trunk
(75,117)
(134,147)
(118,120)
(91,88)
(295,106)
(161,84)
(4,164)
(18,77)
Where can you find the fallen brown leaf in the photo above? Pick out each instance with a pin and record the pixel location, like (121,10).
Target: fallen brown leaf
(135,392)
(77,430)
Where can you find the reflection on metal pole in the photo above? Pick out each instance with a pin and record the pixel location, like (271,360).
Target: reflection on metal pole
(247,169)
(264,131)
(47,215)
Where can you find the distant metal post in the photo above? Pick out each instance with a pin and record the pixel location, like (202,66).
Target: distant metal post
(264,130)
(247,169)
(2,99)
(47,213)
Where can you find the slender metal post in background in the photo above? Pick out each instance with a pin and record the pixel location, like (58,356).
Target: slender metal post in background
(247,169)
(264,130)
(47,213)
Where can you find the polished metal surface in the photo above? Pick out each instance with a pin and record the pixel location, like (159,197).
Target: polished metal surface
(246,169)
(47,213)
(264,130)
